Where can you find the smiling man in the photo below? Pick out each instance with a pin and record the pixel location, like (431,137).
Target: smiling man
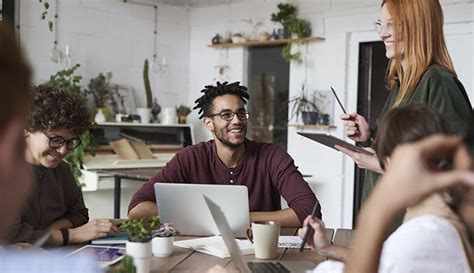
(230,158)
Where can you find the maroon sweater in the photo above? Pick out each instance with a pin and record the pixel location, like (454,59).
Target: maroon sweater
(267,171)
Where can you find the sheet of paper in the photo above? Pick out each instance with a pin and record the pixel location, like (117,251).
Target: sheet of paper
(215,246)
(290,242)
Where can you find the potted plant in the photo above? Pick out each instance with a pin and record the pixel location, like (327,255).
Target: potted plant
(182,112)
(100,90)
(304,105)
(163,238)
(286,13)
(145,112)
(139,233)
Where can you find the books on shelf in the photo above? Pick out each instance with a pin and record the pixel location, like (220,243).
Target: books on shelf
(215,246)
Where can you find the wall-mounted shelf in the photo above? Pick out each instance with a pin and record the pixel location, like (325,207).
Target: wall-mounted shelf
(266,43)
(302,127)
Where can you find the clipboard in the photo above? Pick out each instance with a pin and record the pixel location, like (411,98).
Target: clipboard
(331,141)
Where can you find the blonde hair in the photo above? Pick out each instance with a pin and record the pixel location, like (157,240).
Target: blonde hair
(419,24)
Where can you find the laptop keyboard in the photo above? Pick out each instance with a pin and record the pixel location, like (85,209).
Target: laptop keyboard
(262,267)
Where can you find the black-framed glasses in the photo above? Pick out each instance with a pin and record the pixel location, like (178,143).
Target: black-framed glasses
(228,115)
(55,142)
(379,26)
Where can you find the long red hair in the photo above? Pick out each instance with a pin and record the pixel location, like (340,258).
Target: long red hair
(419,25)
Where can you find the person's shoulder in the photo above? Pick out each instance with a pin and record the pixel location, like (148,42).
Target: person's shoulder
(438,72)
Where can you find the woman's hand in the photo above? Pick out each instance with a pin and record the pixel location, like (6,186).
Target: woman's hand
(317,236)
(357,128)
(363,161)
(96,228)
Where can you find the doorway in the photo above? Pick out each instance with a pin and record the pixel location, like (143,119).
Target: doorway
(371,96)
(269,81)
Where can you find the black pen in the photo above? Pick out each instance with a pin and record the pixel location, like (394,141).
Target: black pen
(306,234)
(338,101)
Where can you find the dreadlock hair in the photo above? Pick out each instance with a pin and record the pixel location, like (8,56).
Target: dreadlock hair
(204,103)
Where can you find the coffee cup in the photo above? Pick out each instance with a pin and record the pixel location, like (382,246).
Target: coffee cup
(264,236)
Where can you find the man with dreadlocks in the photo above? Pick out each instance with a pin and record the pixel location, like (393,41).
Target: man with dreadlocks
(230,158)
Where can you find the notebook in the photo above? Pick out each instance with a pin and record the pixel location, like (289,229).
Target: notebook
(236,254)
(215,246)
(183,205)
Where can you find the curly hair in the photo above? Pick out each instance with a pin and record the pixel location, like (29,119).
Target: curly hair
(204,103)
(54,108)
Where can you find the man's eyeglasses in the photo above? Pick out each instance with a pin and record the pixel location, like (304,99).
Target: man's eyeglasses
(379,26)
(229,115)
(56,142)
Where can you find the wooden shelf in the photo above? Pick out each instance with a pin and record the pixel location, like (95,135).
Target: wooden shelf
(301,126)
(266,43)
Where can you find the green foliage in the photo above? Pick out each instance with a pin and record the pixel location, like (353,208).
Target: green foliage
(183,110)
(44,13)
(299,27)
(141,229)
(146,81)
(288,56)
(286,12)
(302,103)
(99,88)
(66,79)
(127,265)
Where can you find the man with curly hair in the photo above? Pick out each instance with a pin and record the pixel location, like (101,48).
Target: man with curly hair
(55,121)
(232,159)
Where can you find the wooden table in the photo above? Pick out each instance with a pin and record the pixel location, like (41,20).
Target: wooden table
(186,260)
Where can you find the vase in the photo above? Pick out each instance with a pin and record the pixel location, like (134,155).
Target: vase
(141,254)
(99,116)
(145,114)
(162,246)
(168,115)
(181,119)
(310,118)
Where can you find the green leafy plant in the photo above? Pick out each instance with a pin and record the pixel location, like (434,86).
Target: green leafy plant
(140,229)
(302,103)
(293,27)
(127,265)
(183,110)
(99,88)
(165,230)
(44,14)
(146,80)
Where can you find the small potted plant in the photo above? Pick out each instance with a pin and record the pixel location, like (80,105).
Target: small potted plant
(304,105)
(163,238)
(139,233)
(100,90)
(182,112)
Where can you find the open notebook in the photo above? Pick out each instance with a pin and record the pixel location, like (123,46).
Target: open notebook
(215,246)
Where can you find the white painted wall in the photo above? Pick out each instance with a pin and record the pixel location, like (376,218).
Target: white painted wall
(109,35)
(332,62)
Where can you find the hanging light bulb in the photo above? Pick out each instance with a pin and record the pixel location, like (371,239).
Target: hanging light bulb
(65,61)
(155,66)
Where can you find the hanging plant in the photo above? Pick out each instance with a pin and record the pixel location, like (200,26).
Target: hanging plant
(45,13)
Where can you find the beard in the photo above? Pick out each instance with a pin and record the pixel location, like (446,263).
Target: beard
(222,136)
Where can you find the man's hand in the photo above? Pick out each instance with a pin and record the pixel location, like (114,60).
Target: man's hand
(413,173)
(357,128)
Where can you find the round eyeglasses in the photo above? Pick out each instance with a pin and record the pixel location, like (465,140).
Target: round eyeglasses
(56,142)
(379,27)
(228,115)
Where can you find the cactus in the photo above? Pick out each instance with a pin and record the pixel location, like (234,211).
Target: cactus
(146,80)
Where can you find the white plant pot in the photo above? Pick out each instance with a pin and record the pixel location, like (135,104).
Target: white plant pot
(162,246)
(145,115)
(168,115)
(141,254)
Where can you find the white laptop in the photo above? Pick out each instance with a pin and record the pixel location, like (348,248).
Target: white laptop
(183,205)
(236,255)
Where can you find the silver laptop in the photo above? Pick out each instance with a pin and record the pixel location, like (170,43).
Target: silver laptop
(236,255)
(183,205)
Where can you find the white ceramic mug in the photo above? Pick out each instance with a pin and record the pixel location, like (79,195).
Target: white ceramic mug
(145,115)
(264,236)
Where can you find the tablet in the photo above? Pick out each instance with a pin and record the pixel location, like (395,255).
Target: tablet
(331,141)
(102,255)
